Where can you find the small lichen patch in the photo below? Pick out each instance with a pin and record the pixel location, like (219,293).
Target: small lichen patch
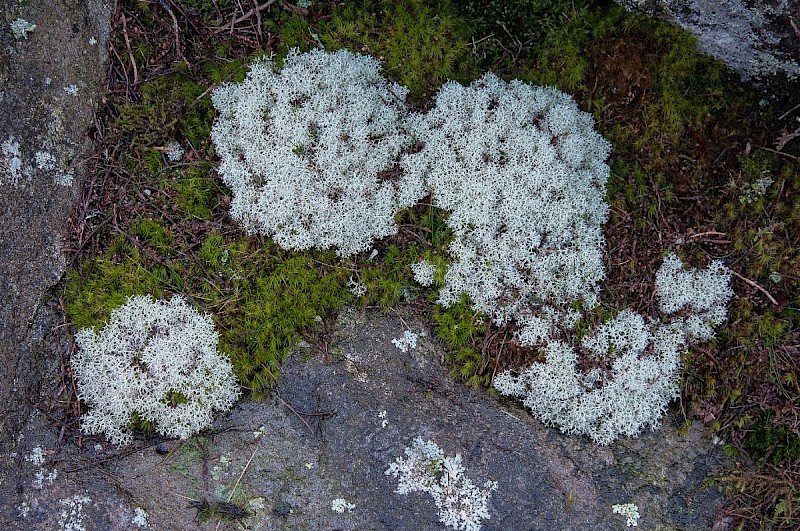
(64,179)
(357,288)
(139,517)
(340,505)
(407,342)
(424,273)
(461,503)
(257,504)
(21,27)
(629,511)
(44,160)
(71,518)
(23,509)
(10,162)
(174,151)
(36,457)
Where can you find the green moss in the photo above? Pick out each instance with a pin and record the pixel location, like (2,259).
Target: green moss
(562,58)
(154,161)
(388,277)
(141,10)
(421,43)
(212,252)
(224,70)
(196,192)
(105,283)
(220,510)
(462,329)
(277,297)
(773,444)
(151,122)
(140,425)
(154,234)
(207,9)
(170,108)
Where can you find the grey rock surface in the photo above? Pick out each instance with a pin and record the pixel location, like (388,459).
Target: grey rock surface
(757,39)
(49,85)
(333,427)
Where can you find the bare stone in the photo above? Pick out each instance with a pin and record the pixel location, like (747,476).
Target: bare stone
(757,39)
(38,117)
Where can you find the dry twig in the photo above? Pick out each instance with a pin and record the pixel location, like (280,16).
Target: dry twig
(755,285)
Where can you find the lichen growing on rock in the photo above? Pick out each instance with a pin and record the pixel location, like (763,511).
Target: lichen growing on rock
(156,360)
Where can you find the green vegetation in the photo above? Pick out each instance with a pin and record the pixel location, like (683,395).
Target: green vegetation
(271,298)
(690,146)
(462,330)
(196,191)
(421,44)
(772,444)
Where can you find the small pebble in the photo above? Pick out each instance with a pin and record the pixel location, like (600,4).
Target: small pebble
(162,448)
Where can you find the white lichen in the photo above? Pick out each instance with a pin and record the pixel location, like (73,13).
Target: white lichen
(703,293)
(356,287)
(72,90)
(521,173)
(424,273)
(157,359)
(629,510)
(340,505)
(23,509)
(644,360)
(40,474)
(752,192)
(71,517)
(139,517)
(10,162)
(461,504)
(21,27)
(310,151)
(174,151)
(63,179)
(44,160)
(407,342)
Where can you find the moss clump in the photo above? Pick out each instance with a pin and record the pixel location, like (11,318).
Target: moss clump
(771,444)
(170,108)
(421,44)
(196,192)
(222,510)
(388,278)
(276,297)
(462,330)
(154,234)
(104,283)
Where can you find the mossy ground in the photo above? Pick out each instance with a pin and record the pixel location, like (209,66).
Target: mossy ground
(689,143)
